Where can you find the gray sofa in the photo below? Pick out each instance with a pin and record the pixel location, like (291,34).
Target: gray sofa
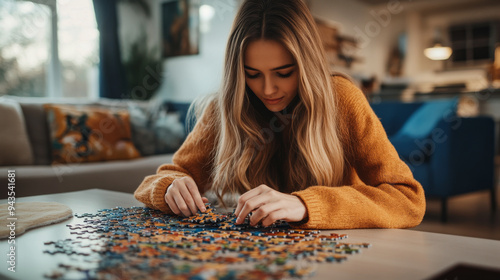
(43,177)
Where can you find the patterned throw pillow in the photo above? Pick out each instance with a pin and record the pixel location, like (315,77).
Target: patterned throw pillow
(85,134)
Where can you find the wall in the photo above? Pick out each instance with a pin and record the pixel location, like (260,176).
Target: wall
(376,27)
(476,77)
(344,18)
(188,77)
(370,25)
(184,77)
(420,20)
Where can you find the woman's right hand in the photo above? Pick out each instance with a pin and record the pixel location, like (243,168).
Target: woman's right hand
(184,198)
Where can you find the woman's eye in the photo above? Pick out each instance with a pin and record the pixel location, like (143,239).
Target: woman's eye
(285,75)
(252,76)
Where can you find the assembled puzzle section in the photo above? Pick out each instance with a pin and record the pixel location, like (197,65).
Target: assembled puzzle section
(138,242)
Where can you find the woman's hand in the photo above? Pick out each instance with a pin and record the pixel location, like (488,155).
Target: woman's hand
(184,198)
(268,206)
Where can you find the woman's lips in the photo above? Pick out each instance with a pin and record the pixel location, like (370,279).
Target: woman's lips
(273,101)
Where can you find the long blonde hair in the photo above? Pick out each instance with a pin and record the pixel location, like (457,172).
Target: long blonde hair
(244,149)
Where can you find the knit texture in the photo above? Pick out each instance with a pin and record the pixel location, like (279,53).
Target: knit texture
(378,190)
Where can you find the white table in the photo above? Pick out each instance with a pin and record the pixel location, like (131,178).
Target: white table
(394,254)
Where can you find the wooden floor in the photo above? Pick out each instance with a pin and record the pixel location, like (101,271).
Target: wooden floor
(468,215)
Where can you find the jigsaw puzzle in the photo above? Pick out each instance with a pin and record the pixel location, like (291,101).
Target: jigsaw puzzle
(142,243)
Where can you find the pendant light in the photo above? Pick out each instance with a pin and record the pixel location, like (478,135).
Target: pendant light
(438,51)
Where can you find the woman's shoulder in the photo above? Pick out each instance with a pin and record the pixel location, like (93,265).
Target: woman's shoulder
(205,107)
(346,91)
(343,82)
(352,107)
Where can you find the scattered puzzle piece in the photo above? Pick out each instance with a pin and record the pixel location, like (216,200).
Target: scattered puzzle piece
(139,242)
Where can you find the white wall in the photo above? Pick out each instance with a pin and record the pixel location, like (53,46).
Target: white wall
(184,77)
(344,17)
(188,77)
(370,25)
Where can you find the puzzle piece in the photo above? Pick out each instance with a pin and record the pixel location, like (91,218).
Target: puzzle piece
(139,242)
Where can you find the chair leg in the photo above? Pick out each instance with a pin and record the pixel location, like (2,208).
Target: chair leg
(444,210)
(493,194)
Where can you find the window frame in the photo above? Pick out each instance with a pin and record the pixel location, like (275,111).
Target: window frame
(469,44)
(54,73)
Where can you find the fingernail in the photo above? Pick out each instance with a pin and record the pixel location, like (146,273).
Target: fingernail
(238,220)
(203,209)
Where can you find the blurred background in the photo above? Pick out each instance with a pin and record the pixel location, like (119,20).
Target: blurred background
(394,49)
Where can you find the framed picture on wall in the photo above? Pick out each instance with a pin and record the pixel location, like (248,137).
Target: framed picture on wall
(180,27)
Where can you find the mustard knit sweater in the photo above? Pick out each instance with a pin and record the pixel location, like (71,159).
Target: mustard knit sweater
(378,190)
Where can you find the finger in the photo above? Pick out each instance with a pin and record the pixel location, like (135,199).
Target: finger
(188,199)
(279,214)
(205,200)
(262,212)
(246,196)
(184,209)
(171,203)
(252,204)
(243,199)
(195,194)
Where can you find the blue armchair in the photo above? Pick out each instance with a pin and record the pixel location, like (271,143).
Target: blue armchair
(449,155)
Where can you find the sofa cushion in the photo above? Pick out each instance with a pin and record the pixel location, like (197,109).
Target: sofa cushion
(154,131)
(37,126)
(413,136)
(423,120)
(38,132)
(15,147)
(182,109)
(85,133)
(120,175)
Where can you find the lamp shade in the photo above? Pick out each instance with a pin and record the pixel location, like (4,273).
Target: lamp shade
(438,52)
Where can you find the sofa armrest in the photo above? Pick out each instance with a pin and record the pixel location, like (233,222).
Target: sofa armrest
(463,158)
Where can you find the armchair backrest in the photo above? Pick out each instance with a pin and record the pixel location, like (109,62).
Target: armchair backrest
(393,114)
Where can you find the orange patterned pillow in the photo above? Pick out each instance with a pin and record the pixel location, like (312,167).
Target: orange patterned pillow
(85,133)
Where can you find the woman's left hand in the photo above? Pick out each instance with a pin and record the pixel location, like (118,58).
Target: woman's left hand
(268,206)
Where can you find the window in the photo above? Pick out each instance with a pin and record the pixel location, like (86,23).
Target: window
(24,48)
(78,39)
(41,57)
(474,43)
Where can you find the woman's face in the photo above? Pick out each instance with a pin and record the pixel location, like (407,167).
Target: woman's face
(271,73)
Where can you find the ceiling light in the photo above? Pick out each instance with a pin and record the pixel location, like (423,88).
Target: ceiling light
(438,52)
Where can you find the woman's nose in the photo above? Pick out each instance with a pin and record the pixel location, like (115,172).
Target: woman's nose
(269,87)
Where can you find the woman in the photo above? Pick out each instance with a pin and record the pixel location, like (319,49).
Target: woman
(296,143)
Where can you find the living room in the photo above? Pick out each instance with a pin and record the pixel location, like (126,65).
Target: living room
(118,77)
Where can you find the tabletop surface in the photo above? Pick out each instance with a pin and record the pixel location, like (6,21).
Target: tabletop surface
(394,254)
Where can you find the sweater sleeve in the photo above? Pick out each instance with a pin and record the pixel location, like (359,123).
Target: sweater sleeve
(381,193)
(192,159)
